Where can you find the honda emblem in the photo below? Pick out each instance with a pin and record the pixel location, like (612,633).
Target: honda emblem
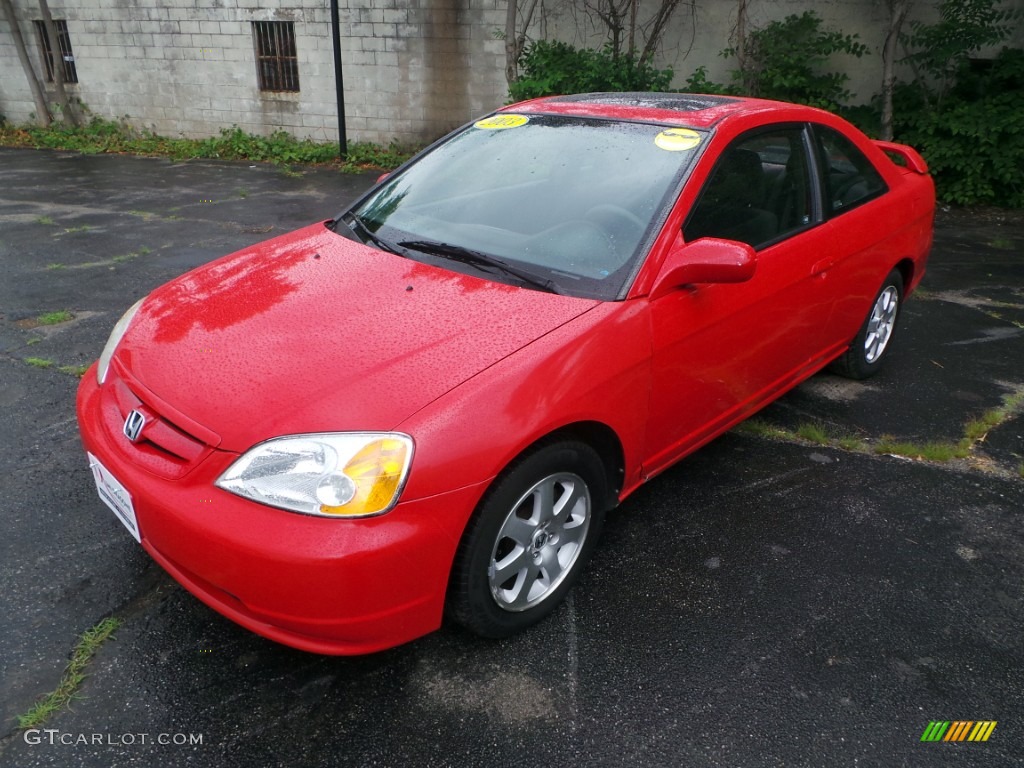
(133,425)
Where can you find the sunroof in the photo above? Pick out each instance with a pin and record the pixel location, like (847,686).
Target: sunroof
(679,102)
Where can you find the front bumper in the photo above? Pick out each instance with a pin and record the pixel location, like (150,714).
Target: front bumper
(329,586)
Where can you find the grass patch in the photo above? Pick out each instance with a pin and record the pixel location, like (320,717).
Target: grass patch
(143,251)
(762,428)
(931,451)
(78,371)
(280,147)
(55,318)
(814,433)
(39,362)
(88,644)
(978,429)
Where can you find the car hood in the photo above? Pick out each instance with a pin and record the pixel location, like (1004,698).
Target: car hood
(311,332)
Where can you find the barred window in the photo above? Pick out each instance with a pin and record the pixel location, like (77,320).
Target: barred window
(66,55)
(277,64)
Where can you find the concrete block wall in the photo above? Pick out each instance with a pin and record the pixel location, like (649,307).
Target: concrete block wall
(413,69)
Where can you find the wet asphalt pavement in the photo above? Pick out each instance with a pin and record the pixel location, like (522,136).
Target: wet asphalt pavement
(764,603)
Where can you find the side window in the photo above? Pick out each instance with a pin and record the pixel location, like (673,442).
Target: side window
(758,193)
(849,178)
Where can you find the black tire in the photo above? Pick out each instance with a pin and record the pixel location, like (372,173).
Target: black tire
(542,551)
(869,348)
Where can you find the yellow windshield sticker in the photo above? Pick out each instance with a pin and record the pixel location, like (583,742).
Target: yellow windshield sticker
(498,122)
(677,139)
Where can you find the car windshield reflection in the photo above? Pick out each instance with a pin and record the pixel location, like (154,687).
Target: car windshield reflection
(570,199)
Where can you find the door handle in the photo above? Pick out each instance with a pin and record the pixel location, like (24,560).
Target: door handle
(823,266)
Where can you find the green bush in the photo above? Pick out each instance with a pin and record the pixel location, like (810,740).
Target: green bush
(787,60)
(551,67)
(972,139)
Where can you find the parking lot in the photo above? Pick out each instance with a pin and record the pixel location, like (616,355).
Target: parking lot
(783,597)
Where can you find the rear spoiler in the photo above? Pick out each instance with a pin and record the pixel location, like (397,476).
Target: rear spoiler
(903,155)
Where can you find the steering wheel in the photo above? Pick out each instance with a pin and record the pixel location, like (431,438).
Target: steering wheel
(621,225)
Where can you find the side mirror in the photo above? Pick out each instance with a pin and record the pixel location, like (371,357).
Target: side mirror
(708,260)
(382,177)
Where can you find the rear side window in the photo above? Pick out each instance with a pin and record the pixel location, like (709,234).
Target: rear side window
(848,176)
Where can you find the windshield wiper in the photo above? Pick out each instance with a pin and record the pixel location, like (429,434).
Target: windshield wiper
(479,259)
(362,231)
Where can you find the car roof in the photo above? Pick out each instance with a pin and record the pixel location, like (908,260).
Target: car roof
(694,110)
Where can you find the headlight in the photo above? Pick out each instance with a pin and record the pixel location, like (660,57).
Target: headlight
(344,474)
(115,338)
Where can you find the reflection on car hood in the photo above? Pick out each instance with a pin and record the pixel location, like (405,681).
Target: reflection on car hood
(312,332)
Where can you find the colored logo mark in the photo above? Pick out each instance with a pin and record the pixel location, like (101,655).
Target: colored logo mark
(499,122)
(677,139)
(958,730)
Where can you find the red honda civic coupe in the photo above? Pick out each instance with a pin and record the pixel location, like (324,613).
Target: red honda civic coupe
(425,406)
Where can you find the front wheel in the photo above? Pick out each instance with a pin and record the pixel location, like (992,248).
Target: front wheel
(865,356)
(529,540)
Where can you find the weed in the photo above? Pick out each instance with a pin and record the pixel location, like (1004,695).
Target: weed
(55,318)
(39,362)
(123,257)
(44,220)
(814,433)
(56,265)
(1003,243)
(852,444)
(72,230)
(33,340)
(88,644)
(978,429)
(74,370)
(279,147)
(930,451)
(243,193)
(762,428)
(144,251)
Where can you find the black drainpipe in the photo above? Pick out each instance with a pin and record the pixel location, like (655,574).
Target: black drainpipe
(338,82)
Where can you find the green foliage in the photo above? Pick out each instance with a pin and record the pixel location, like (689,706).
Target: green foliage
(74,675)
(233,143)
(698,82)
(972,138)
(786,60)
(964,27)
(55,318)
(551,67)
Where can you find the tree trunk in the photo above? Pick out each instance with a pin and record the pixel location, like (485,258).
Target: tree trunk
(515,38)
(658,27)
(897,15)
(42,111)
(57,59)
(511,42)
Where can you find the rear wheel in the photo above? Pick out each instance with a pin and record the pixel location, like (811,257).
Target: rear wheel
(867,352)
(529,540)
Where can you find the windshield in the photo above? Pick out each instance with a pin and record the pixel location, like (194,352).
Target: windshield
(568,200)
